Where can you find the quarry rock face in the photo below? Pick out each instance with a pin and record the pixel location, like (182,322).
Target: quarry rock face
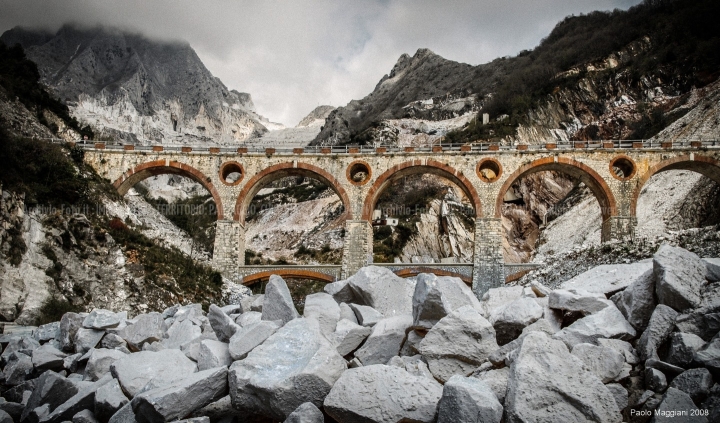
(448,368)
(679,277)
(544,375)
(195,105)
(296,364)
(458,343)
(382,393)
(468,399)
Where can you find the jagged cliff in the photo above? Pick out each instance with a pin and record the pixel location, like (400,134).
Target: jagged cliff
(280,232)
(132,88)
(67,241)
(605,75)
(423,86)
(671,201)
(298,136)
(441,236)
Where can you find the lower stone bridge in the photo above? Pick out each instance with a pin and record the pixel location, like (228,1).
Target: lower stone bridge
(615,172)
(252,274)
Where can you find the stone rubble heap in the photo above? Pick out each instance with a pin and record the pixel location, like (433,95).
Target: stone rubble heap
(606,346)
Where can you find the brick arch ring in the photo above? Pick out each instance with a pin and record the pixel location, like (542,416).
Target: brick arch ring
(703,165)
(286,273)
(576,169)
(414,271)
(163,167)
(415,167)
(282,170)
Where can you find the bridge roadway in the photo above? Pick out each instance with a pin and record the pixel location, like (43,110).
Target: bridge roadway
(615,172)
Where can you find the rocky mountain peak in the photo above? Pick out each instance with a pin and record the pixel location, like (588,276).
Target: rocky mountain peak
(420,77)
(131,87)
(405,60)
(421,53)
(402,63)
(316,117)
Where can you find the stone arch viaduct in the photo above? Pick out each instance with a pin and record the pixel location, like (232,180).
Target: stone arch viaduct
(615,171)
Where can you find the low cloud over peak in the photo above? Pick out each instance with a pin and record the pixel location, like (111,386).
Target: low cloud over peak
(294,56)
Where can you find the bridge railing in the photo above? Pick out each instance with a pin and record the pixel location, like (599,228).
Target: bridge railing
(325,269)
(390,149)
(464,269)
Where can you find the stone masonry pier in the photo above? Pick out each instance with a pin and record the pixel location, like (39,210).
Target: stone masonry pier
(615,171)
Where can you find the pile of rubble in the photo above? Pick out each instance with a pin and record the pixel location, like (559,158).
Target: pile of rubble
(619,342)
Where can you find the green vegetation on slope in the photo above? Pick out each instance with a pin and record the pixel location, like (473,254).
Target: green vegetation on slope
(195,215)
(405,199)
(684,44)
(51,175)
(20,78)
(286,190)
(48,174)
(325,254)
(166,267)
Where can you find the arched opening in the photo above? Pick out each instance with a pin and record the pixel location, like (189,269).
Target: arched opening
(293,215)
(676,196)
(422,213)
(489,170)
(231,173)
(551,206)
(280,171)
(411,272)
(623,168)
(261,277)
(174,203)
(300,283)
(359,173)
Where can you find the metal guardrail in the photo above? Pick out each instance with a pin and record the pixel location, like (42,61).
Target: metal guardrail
(436,149)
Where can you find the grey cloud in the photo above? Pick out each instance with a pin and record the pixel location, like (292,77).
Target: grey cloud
(294,55)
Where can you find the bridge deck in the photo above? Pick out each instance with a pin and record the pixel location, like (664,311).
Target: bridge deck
(381,149)
(615,171)
(331,273)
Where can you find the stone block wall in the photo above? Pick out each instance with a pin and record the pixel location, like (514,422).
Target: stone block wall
(488,268)
(357,251)
(592,166)
(619,228)
(229,247)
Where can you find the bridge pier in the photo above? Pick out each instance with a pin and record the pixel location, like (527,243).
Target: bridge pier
(614,171)
(229,247)
(357,251)
(618,228)
(488,262)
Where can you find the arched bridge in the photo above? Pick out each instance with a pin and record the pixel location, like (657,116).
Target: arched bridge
(615,171)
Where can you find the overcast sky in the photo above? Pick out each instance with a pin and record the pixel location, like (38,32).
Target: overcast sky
(292,56)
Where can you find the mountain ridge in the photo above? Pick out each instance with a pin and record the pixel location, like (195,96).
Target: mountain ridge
(665,46)
(423,76)
(131,87)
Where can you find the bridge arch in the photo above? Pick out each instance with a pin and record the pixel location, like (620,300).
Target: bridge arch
(286,273)
(703,165)
(283,170)
(571,167)
(414,271)
(415,167)
(162,167)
